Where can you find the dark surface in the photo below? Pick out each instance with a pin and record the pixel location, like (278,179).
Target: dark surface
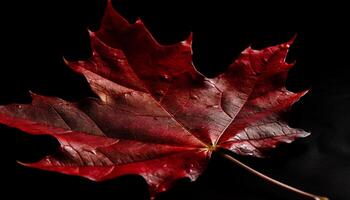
(319,164)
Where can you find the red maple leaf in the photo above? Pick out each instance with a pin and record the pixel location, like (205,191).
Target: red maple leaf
(157,116)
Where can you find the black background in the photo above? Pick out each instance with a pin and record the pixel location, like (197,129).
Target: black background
(45,32)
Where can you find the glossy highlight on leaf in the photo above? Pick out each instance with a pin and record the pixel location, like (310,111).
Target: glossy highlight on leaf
(156,115)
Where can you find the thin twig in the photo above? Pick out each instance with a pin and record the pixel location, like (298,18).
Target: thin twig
(271,180)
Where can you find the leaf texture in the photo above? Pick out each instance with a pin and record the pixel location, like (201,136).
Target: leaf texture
(155,115)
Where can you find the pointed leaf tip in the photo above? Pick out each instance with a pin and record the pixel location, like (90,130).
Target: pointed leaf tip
(32,94)
(139,21)
(189,39)
(91,33)
(290,42)
(65,60)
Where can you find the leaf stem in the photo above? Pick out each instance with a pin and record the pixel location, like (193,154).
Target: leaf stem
(271,180)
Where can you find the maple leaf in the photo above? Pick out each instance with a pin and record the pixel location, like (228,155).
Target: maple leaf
(155,115)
